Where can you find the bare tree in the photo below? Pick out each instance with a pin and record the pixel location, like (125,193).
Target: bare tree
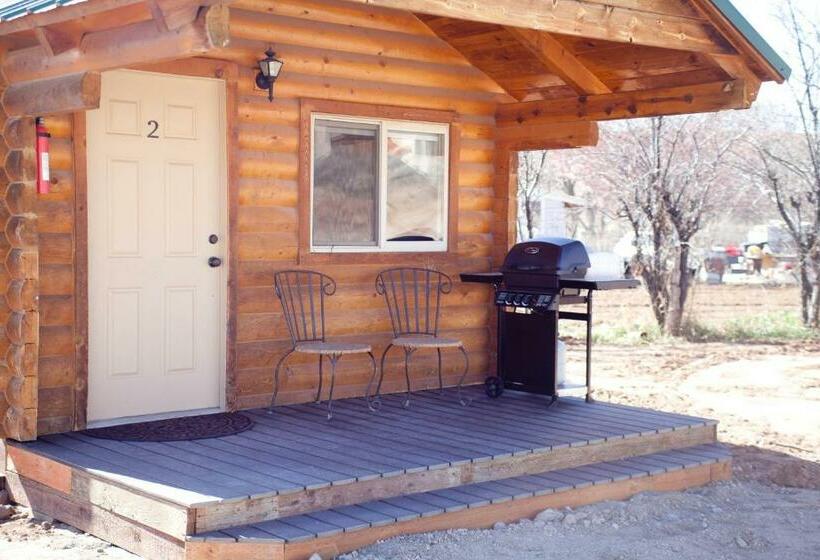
(666,174)
(787,164)
(532,175)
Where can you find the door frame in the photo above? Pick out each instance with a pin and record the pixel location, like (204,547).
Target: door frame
(195,67)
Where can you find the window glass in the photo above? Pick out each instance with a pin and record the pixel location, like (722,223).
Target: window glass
(345,183)
(415,186)
(378,185)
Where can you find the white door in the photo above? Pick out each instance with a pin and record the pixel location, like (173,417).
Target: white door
(156,195)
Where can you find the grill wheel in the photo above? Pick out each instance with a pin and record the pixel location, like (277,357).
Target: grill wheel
(494,387)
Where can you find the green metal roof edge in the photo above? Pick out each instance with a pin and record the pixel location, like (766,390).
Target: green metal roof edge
(753,36)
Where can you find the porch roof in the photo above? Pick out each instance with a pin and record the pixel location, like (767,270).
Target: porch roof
(713,27)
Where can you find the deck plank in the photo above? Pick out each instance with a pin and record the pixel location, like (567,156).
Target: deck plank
(374,518)
(395,423)
(597,424)
(132,471)
(398,513)
(458,431)
(266,463)
(340,519)
(337,442)
(529,432)
(396,438)
(144,457)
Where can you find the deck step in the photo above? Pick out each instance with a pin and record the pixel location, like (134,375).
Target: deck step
(382,513)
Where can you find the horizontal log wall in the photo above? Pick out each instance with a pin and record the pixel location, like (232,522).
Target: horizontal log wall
(331,51)
(355,54)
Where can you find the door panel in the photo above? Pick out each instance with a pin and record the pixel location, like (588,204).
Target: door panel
(156,176)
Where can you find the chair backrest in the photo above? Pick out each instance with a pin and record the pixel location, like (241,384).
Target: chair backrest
(302,295)
(413,297)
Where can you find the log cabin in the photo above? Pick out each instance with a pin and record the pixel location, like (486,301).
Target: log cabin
(119,306)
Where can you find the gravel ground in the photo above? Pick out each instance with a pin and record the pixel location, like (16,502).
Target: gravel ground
(23,537)
(731,520)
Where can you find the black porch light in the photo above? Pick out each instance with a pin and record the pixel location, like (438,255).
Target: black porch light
(269,68)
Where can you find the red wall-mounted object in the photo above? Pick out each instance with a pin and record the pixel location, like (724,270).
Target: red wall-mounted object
(43,166)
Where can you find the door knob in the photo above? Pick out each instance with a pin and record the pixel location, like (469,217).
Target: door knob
(214,262)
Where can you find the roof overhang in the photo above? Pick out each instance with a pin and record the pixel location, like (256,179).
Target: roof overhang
(747,37)
(592,59)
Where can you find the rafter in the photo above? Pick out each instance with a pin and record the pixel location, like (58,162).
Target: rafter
(56,41)
(735,66)
(560,61)
(158,15)
(580,18)
(648,103)
(728,29)
(479,64)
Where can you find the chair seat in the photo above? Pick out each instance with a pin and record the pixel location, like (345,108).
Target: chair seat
(330,348)
(421,341)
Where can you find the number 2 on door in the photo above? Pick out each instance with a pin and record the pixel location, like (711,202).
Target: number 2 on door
(153,132)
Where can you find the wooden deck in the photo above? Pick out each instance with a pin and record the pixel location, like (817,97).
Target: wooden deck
(295,478)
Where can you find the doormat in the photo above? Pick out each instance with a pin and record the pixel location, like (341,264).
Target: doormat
(177,429)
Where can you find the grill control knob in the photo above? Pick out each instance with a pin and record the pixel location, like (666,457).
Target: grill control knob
(526,300)
(517,299)
(510,299)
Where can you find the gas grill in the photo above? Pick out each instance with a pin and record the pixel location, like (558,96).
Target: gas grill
(536,279)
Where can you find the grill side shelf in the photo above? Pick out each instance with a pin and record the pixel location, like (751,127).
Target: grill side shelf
(497,278)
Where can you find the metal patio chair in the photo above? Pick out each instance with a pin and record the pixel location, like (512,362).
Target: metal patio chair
(413,297)
(302,294)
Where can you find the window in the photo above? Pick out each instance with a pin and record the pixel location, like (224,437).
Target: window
(378,185)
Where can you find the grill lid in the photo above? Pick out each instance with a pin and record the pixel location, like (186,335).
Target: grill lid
(555,256)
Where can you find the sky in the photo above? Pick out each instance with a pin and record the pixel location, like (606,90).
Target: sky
(762,14)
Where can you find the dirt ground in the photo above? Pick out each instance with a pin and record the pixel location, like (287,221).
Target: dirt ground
(766,397)
(709,304)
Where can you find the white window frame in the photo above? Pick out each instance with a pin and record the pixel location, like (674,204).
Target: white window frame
(384,127)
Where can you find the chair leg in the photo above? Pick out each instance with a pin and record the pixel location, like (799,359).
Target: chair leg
(276,379)
(333,359)
(465,401)
(407,353)
(377,395)
(440,382)
(373,403)
(321,376)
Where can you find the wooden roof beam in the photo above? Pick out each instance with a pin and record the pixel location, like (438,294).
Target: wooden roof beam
(55,41)
(65,94)
(137,43)
(736,38)
(158,15)
(735,66)
(173,14)
(560,61)
(703,98)
(580,18)
(468,57)
(548,136)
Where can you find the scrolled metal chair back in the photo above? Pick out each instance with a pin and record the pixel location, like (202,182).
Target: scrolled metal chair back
(302,295)
(413,297)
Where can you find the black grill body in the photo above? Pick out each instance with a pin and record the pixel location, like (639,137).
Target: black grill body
(528,302)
